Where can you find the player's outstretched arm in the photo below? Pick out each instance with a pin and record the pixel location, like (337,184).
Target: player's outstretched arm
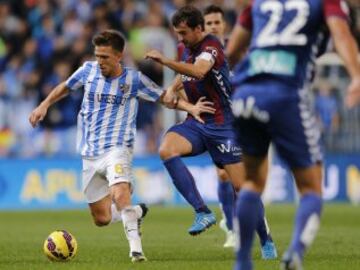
(171,92)
(197,70)
(347,49)
(40,111)
(237,45)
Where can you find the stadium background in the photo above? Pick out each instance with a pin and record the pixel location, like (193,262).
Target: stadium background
(42,42)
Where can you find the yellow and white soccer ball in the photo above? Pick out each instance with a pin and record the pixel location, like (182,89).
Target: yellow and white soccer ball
(60,245)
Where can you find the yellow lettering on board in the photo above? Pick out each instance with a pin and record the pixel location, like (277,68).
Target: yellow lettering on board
(74,194)
(32,188)
(53,183)
(58,181)
(353,184)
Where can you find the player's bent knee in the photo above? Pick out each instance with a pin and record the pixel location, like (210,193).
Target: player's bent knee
(166,152)
(101,220)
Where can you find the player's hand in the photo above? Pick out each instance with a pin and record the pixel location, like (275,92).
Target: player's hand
(170,99)
(37,115)
(353,93)
(156,56)
(202,106)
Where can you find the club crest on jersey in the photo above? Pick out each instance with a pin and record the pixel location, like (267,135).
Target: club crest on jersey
(124,87)
(212,50)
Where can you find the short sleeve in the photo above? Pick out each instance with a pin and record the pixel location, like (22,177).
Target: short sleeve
(212,51)
(76,80)
(148,90)
(337,8)
(245,18)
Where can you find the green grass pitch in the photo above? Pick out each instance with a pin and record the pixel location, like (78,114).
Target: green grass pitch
(166,242)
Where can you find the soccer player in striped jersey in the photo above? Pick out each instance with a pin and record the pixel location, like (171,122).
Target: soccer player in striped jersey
(272,103)
(106,132)
(204,72)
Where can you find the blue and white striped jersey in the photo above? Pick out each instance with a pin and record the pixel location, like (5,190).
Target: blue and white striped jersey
(108,112)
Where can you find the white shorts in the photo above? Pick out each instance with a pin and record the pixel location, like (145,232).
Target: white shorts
(104,171)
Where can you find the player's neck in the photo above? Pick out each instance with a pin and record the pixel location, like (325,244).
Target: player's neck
(196,43)
(117,71)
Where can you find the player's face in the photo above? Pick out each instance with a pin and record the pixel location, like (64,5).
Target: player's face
(108,60)
(187,35)
(215,24)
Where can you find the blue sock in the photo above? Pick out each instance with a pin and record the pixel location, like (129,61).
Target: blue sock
(185,184)
(226,196)
(248,212)
(307,221)
(262,228)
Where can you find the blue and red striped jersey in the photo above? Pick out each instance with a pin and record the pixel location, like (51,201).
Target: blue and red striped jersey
(215,86)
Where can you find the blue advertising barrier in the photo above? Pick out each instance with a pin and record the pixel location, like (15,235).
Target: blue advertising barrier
(56,183)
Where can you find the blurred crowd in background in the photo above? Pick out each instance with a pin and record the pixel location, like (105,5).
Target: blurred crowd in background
(43,41)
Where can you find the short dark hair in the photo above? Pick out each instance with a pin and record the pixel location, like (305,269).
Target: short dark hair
(111,38)
(214,9)
(190,15)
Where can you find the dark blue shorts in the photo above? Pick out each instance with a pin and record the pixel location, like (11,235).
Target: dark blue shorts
(267,113)
(218,140)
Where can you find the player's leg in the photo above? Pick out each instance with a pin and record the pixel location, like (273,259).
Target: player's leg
(97,194)
(100,211)
(121,195)
(307,220)
(227,197)
(119,175)
(182,140)
(225,152)
(236,172)
(252,128)
(96,191)
(297,141)
(249,208)
(105,211)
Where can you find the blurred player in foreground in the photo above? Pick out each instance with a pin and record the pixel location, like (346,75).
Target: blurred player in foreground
(272,104)
(203,72)
(214,23)
(106,128)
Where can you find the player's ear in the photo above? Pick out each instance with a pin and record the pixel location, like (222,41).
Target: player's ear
(199,29)
(119,55)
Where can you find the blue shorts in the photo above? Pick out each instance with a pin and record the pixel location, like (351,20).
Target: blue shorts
(267,112)
(219,140)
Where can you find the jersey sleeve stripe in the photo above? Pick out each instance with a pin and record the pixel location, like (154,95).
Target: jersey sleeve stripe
(91,94)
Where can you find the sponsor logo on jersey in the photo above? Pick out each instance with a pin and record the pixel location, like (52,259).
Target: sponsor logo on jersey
(272,62)
(185,78)
(247,109)
(229,148)
(110,99)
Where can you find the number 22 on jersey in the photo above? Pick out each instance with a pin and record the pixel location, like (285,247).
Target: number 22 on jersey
(290,35)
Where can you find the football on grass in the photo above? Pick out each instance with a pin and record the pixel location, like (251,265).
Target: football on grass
(60,245)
